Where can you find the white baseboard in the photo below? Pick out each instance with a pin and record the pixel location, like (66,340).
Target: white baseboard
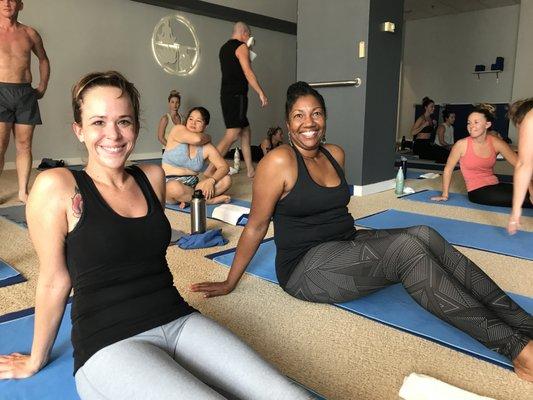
(373,188)
(79,160)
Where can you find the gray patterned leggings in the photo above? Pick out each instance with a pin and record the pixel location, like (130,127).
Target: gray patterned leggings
(434,273)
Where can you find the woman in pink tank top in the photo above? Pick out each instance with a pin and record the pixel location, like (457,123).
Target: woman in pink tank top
(476,155)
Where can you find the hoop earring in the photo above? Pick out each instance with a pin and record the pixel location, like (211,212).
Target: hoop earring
(323,140)
(290,140)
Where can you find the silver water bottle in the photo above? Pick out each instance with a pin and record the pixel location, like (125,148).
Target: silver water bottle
(198,221)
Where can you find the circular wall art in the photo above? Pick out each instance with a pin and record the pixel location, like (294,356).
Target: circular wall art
(175,45)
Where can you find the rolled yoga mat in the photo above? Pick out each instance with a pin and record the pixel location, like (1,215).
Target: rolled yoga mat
(9,275)
(493,239)
(242,219)
(391,306)
(460,200)
(55,380)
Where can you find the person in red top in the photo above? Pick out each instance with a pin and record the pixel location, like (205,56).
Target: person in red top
(476,155)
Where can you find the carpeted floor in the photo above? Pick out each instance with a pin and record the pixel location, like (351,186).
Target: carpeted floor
(338,354)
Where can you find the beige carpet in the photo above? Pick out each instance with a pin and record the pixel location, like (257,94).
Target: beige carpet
(338,354)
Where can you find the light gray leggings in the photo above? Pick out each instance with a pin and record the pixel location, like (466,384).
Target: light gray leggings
(181,360)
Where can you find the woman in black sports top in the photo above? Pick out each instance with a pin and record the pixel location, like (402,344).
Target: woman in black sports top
(103,233)
(321,258)
(423,132)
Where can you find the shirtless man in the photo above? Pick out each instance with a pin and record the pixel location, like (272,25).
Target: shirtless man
(19,111)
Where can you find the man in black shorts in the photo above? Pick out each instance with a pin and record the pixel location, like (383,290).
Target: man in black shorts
(237,74)
(19,111)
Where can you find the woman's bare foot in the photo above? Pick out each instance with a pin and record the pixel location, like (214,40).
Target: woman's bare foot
(219,199)
(23,196)
(523,363)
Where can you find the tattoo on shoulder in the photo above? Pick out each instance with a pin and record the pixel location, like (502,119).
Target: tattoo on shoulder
(77,203)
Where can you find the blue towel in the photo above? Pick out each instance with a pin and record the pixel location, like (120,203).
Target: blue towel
(210,238)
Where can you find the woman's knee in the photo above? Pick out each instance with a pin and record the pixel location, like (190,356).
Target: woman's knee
(175,190)
(223,185)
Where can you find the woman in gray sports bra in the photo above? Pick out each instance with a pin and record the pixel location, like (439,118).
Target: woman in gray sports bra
(187,149)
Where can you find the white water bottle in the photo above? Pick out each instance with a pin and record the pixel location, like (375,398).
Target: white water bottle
(236,160)
(399,182)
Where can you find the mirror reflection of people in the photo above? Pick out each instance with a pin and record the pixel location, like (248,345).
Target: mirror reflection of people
(169,119)
(423,131)
(321,257)
(103,232)
(274,139)
(521,114)
(445,131)
(188,149)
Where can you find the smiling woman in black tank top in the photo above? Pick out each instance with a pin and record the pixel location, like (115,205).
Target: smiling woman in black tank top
(322,258)
(103,233)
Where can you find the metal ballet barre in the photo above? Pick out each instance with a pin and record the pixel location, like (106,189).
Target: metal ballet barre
(356,82)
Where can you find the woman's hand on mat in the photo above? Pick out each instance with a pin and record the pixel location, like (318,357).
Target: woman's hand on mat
(17,366)
(207,186)
(513,225)
(212,289)
(439,198)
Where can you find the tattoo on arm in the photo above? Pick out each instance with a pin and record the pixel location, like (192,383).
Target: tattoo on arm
(77,203)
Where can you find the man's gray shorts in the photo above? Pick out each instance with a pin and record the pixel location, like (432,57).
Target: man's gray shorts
(18,104)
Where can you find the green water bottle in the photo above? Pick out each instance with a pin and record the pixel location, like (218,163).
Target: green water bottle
(399,182)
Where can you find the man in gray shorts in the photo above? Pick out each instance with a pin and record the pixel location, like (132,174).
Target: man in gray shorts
(19,111)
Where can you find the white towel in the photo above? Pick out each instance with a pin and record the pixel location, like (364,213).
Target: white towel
(430,175)
(230,213)
(423,387)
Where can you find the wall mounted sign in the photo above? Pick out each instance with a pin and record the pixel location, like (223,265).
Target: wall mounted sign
(175,45)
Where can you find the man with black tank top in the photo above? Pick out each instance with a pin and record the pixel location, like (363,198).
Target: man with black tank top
(237,74)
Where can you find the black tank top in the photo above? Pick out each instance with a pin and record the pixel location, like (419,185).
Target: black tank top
(233,79)
(310,215)
(117,265)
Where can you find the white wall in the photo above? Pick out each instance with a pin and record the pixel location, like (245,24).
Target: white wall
(440,54)
(281,9)
(82,36)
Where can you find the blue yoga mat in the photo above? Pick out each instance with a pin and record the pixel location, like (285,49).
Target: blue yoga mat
(9,275)
(210,208)
(493,239)
(16,214)
(391,306)
(460,200)
(55,380)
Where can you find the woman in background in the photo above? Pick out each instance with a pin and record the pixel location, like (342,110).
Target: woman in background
(170,119)
(187,150)
(476,155)
(423,130)
(274,139)
(445,132)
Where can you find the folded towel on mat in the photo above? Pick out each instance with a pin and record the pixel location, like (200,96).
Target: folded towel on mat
(210,238)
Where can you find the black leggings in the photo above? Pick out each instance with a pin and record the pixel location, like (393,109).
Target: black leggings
(500,195)
(427,150)
(434,273)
